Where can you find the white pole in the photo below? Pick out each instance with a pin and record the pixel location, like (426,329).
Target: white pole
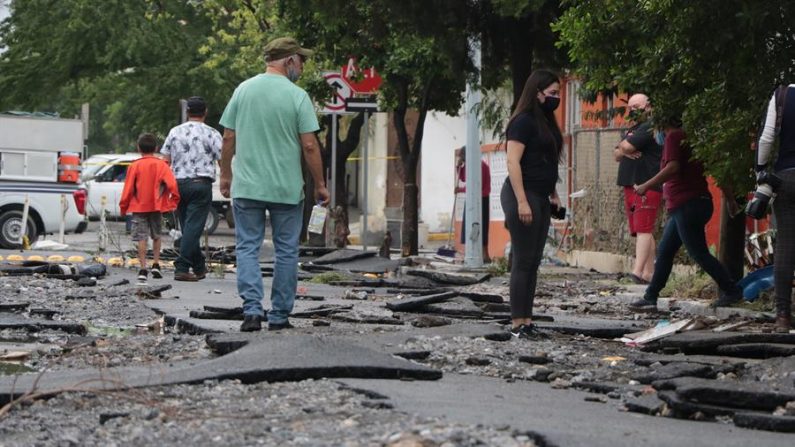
(331,224)
(102,228)
(25,211)
(473,254)
(61,230)
(366,161)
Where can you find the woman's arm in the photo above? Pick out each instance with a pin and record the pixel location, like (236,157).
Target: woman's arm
(667,173)
(515,151)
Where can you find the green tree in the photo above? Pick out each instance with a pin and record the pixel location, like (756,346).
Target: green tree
(713,63)
(132,60)
(420,49)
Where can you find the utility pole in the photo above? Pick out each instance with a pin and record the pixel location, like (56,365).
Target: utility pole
(473,254)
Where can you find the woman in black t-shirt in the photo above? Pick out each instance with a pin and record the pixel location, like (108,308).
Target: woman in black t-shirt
(535,148)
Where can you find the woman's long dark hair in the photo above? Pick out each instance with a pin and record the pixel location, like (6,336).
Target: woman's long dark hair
(528,103)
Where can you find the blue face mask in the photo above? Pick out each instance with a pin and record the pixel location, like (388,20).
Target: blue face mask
(659,137)
(292,74)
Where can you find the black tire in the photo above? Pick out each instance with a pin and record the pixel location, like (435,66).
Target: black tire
(230,218)
(212,221)
(11,227)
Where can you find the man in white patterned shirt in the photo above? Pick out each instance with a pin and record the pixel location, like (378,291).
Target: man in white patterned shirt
(193,148)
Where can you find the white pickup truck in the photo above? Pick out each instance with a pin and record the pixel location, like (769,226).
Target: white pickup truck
(40,163)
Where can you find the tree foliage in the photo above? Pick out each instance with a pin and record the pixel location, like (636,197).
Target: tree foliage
(713,63)
(421,50)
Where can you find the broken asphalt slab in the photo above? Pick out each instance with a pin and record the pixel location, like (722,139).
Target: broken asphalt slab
(343,255)
(413,303)
(31,325)
(560,417)
(458,279)
(592,327)
(750,396)
(767,422)
(674,370)
(757,350)
(270,358)
(708,342)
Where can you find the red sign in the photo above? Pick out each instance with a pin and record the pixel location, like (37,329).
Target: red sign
(361,81)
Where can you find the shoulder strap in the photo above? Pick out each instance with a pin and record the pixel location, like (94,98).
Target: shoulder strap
(781,99)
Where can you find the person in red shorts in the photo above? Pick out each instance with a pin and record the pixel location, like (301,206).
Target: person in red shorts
(150,189)
(638,155)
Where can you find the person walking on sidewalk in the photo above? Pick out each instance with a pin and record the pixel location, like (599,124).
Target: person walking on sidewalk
(269,122)
(638,155)
(784,206)
(149,190)
(535,148)
(485,192)
(193,148)
(689,206)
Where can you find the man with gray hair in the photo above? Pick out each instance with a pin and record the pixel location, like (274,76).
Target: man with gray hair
(638,155)
(269,123)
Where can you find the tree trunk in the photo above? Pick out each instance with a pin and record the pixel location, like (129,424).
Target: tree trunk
(732,241)
(520,35)
(409,243)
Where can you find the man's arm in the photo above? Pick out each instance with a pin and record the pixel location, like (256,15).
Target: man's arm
(227,152)
(311,150)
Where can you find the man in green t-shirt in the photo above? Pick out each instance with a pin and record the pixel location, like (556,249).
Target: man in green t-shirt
(269,122)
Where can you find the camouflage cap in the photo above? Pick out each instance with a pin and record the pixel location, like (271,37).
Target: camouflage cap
(283,47)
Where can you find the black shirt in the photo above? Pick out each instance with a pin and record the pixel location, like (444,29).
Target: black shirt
(539,165)
(635,172)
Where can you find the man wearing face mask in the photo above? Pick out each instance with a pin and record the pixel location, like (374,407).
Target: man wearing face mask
(638,155)
(269,124)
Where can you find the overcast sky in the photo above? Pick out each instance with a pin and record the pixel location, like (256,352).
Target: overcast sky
(3,9)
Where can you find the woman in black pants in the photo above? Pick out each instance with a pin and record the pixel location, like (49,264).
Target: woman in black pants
(535,148)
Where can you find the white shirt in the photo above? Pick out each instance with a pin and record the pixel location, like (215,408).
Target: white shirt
(193,147)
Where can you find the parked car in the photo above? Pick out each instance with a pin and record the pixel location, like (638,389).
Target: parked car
(104,175)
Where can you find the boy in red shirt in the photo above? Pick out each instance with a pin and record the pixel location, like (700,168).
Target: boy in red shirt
(150,189)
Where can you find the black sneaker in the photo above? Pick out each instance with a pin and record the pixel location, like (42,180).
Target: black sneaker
(280,326)
(142,274)
(156,274)
(725,300)
(644,305)
(528,331)
(251,323)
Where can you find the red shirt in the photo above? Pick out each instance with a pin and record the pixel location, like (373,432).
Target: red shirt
(150,186)
(689,182)
(485,178)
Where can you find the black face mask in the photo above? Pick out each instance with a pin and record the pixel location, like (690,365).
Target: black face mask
(637,115)
(550,103)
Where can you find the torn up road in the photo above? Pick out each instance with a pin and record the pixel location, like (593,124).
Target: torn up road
(389,357)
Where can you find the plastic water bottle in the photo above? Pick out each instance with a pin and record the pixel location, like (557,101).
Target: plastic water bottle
(317,219)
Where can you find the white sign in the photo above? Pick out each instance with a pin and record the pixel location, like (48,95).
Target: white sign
(342,91)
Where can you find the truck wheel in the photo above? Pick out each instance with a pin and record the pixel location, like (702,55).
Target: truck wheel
(230,218)
(11,229)
(212,221)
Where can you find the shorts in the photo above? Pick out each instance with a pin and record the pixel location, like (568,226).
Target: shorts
(641,211)
(146,225)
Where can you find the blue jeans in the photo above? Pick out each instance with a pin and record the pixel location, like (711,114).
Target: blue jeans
(686,226)
(195,199)
(286,223)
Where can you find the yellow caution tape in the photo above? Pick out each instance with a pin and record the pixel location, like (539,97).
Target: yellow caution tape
(35,258)
(15,258)
(55,258)
(76,258)
(116,262)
